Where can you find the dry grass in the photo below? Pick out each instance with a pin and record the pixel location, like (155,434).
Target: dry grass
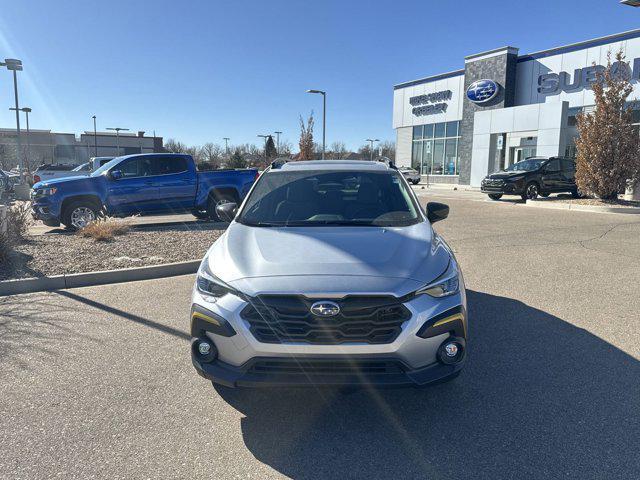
(106,229)
(18,219)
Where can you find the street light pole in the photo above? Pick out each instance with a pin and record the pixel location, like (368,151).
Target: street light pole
(265,146)
(277,142)
(324,117)
(27,111)
(15,65)
(226,145)
(118,130)
(371,140)
(95,137)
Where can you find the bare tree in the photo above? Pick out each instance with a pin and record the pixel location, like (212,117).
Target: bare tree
(388,149)
(337,151)
(607,148)
(195,152)
(306,138)
(173,146)
(212,154)
(285,148)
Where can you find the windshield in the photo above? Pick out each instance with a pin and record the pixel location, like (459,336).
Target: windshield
(316,198)
(526,165)
(81,168)
(106,167)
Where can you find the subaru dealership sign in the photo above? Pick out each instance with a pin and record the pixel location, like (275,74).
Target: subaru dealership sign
(482,91)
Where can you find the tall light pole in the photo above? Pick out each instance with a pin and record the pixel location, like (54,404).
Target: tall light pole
(371,140)
(95,137)
(15,65)
(324,118)
(265,145)
(27,111)
(226,145)
(277,142)
(118,130)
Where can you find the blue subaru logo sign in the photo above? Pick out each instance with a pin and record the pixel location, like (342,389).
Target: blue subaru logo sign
(325,309)
(482,91)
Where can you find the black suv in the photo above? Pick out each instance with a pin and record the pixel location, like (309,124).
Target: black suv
(533,177)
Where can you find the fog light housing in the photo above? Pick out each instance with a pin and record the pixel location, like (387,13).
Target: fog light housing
(451,351)
(205,350)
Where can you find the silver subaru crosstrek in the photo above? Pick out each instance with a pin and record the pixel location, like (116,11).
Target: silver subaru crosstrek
(329,274)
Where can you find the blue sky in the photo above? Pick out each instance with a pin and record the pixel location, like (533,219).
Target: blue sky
(198,71)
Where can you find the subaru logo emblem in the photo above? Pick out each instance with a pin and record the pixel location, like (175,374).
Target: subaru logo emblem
(482,91)
(325,309)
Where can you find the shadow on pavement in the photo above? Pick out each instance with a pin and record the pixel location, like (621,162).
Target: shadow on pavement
(539,398)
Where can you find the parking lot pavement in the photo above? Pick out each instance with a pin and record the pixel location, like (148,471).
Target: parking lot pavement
(97,382)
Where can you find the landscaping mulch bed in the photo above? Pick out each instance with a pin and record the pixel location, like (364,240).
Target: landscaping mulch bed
(596,202)
(64,252)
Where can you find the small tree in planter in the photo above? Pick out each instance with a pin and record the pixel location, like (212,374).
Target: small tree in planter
(607,148)
(306,139)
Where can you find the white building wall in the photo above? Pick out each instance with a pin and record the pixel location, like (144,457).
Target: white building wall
(403,146)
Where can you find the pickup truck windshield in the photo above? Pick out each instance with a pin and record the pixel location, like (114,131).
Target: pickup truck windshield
(320,198)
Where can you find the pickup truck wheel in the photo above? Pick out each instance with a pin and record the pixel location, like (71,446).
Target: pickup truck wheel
(78,215)
(216,200)
(495,196)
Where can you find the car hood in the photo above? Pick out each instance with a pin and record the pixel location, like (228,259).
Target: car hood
(504,174)
(75,181)
(328,259)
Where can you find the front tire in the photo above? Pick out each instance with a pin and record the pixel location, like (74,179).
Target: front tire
(214,201)
(576,193)
(495,196)
(79,214)
(531,191)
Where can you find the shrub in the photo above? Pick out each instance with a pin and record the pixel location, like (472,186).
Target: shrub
(104,229)
(17,221)
(607,149)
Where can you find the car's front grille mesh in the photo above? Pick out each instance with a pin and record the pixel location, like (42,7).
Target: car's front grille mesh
(362,319)
(355,367)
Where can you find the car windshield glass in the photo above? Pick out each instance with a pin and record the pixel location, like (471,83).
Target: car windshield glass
(81,168)
(320,198)
(106,167)
(526,166)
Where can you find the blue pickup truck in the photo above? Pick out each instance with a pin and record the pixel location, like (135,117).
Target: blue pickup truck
(139,184)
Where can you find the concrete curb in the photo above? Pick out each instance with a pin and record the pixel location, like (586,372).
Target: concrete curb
(582,208)
(75,280)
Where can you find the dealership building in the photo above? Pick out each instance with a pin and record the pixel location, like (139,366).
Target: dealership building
(503,107)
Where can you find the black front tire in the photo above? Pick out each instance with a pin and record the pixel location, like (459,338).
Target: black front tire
(495,196)
(214,201)
(531,191)
(576,193)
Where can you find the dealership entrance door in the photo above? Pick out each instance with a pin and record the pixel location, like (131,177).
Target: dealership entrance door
(522,153)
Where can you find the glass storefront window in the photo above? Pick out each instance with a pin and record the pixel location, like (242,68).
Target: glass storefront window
(428,131)
(438,157)
(416,155)
(452,129)
(427,155)
(417,132)
(451,156)
(435,148)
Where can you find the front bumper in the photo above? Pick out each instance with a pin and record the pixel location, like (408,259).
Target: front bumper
(42,208)
(292,372)
(409,360)
(507,188)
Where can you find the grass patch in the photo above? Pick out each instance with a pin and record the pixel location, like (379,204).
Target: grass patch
(105,229)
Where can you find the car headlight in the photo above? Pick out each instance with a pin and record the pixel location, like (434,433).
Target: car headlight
(210,286)
(44,192)
(445,285)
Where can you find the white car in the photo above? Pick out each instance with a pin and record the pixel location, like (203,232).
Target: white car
(49,172)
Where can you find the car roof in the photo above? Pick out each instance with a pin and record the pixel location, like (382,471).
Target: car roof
(360,165)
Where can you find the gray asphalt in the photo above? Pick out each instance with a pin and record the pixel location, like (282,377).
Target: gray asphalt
(97,382)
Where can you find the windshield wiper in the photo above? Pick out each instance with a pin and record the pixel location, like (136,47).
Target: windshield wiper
(257,224)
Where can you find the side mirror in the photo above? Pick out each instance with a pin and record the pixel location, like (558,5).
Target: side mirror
(437,211)
(115,174)
(227,211)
